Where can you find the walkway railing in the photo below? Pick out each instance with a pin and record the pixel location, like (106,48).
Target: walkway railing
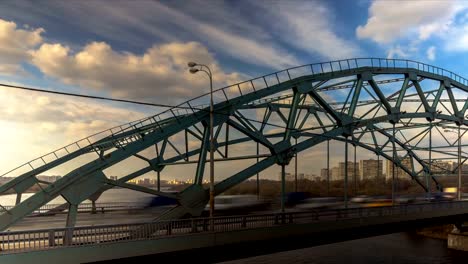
(45,239)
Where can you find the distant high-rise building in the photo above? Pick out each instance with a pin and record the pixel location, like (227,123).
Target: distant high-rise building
(370,169)
(335,174)
(454,167)
(399,172)
(324,174)
(288,176)
(300,176)
(351,168)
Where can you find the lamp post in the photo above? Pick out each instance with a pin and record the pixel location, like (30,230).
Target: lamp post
(459,162)
(207,70)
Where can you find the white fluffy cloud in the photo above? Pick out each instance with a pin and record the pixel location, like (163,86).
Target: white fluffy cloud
(396,52)
(161,72)
(389,20)
(431,53)
(15,44)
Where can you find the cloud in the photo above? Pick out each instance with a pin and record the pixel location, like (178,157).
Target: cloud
(309,27)
(133,23)
(37,109)
(34,124)
(160,73)
(431,53)
(390,20)
(257,49)
(396,52)
(459,35)
(15,44)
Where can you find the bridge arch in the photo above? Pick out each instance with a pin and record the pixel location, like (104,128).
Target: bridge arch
(366,102)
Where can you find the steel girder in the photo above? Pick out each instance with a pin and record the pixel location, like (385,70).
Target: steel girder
(361,113)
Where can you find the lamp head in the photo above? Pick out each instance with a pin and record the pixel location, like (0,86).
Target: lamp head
(193,70)
(192,64)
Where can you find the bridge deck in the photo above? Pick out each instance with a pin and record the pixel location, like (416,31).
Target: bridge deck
(117,241)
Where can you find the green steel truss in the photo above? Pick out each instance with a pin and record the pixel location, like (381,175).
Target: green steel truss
(397,109)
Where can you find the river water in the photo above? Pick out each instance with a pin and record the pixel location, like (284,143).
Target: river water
(393,248)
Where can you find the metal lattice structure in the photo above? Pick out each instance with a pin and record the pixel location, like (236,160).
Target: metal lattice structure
(397,109)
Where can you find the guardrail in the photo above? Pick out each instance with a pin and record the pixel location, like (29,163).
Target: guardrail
(45,239)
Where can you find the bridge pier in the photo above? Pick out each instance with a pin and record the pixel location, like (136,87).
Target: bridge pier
(458,238)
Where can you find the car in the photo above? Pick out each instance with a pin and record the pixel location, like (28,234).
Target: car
(320,203)
(238,204)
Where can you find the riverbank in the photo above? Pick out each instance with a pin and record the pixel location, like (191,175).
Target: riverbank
(437,232)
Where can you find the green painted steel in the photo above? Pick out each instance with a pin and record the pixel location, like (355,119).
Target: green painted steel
(358,99)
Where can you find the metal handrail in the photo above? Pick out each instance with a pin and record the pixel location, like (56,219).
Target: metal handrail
(254,85)
(44,239)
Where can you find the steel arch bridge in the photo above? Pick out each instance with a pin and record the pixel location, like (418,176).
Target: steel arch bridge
(397,109)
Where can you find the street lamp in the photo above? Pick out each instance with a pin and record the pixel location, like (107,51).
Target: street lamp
(207,70)
(459,162)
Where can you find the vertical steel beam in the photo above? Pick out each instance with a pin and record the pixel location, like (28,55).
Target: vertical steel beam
(283,187)
(378,166)
(328,167)
(346,175)
(459,166)
(355,174)
(295,169)
(159,180)
(393,164)
(202,157)
(429,173)
(258,174)
(226,153)
(186,145)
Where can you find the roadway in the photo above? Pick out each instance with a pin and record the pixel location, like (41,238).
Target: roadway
(244,232)
(88,219)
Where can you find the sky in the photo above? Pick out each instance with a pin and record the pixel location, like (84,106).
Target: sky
(139,50)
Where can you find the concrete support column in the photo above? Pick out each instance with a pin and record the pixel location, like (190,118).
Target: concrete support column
(93,207)
(71,220)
